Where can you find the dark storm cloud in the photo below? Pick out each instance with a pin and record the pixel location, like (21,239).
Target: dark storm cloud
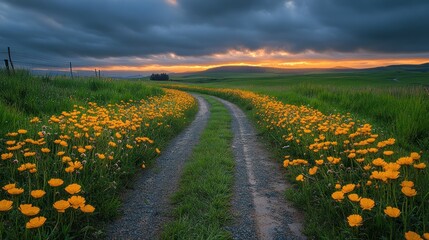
(98,29)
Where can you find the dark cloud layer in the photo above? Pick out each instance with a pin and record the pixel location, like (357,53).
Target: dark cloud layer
(98,29)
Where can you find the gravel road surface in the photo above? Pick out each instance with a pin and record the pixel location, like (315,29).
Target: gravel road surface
(259,205)
(147,206)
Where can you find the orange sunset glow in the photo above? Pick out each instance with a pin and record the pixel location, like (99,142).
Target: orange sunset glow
(301,64)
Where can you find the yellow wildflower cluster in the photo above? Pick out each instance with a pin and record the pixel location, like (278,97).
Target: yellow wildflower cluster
(52,167)
(375,176)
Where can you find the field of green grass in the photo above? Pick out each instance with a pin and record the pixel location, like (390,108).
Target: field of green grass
(24,96)
(395,101)
(77,124)
(70,146)
(333,183)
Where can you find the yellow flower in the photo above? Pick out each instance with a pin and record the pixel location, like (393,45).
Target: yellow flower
(300,177)
(63,143)
(9,186)
(88,147)
(391,174)
(410,235)
(22,131)
(405,161)
(338,196)
(415,156)
(351,155)
(6,156)
(45,150)
(10,142)
(61,205)
(319,162)
(354,220)
(15,191)
(157,151)
(368,183)
(426,236)
(73,188)
(285,163)
(348,188)
(87,208)
(379,162)
(55,182)
(392,212)
(409,192)
(29,154)
(143,166)
(60,153)
(367,203)
(101,156)
(29,209)
(37,193)
(420,166)
(388,153)
(407,184)
(81,150)
(392,166)
(112,144)
(5,205)
(367,167)
(313,170)
(35,222)
(354,197)
(76,201)
(118,135)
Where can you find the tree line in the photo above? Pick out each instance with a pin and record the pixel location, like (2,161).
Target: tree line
(159,77)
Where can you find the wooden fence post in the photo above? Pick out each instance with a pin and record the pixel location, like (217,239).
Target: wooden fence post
(6,63)
(71,71)
(10,60)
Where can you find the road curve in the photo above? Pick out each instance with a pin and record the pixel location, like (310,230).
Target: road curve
(146,207)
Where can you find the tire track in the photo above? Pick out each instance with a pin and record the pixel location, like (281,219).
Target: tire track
(147,206)
(259,206)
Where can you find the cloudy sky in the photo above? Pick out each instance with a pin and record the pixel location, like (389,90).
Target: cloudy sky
(188,35)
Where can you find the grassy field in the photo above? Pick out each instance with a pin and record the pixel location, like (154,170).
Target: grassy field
(68,148)
(23,96)
(357,164)
(394,101)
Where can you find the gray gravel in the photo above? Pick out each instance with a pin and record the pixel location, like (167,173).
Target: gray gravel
(147,206)
(259,205)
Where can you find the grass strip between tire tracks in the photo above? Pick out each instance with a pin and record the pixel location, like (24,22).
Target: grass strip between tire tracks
(202,203)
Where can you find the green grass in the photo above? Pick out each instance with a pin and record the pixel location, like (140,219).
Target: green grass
(395,101)
(23,95)
(325,218)
(202,202)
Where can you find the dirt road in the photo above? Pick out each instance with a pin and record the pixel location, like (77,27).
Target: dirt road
(258,206)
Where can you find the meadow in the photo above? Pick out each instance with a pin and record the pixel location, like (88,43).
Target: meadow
(395,101)
(353,144)
(355,148)
(70,146)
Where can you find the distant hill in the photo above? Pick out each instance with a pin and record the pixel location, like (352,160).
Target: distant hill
(255,69)
(404,67)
